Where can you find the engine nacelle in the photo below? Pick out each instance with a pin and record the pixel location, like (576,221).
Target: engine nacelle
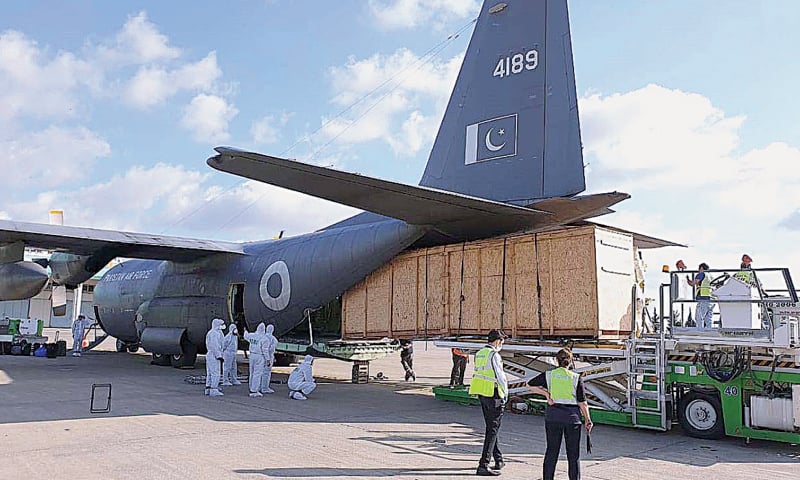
(71,270)
(21,280)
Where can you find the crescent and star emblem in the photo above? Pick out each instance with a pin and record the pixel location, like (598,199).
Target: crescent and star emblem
(491,146)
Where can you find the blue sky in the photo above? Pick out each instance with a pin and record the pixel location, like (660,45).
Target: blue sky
(111,108)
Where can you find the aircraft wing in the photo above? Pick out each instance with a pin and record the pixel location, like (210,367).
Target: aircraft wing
(458,215)
(88,241)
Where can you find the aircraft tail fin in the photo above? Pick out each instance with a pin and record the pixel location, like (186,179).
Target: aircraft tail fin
(510,132)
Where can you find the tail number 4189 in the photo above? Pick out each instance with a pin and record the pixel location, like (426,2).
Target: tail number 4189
(516,63)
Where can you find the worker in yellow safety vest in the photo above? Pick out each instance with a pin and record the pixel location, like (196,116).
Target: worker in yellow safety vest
(702,294)
(566,401)
(490,385)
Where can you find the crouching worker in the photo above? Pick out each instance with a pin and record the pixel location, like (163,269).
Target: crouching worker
(301,380)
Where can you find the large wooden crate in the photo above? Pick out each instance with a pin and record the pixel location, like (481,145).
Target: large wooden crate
(574,282)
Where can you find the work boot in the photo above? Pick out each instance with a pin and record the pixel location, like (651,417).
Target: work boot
(485,472)
(255,395)
(215,393)
(227,384)
(299,396)
(498,465)
(268,390)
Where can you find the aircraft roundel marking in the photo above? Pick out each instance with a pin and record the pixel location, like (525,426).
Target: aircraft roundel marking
(281,301)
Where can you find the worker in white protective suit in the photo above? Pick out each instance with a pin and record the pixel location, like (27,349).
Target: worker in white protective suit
(270,344)
(214,357)
(258,357)
(78,329)
(229,348)
(301,380)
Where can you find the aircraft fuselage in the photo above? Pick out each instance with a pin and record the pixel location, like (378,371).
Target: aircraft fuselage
(274,282)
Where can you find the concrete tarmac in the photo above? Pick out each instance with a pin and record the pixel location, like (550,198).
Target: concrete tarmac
(162,427)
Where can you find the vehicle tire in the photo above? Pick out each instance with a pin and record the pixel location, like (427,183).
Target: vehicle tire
(187,358)
(121,347)
(160,359)
(133,348)
(700,415)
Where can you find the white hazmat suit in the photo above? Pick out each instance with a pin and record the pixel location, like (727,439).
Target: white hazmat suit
(258,357)
(214,356)
(270,344)
(229,349)
(78,328)
(301,380)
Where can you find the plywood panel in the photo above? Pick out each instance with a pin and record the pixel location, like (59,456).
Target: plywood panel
(522,283)
(574,296)
(616,259)
(437,291)
(354,311)
(471,314)
(379,301)
(404,308)
(405,299)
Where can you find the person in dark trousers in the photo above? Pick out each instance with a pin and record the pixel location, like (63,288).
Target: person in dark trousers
(460,360)
(407,358)
(490,385)
(566,401)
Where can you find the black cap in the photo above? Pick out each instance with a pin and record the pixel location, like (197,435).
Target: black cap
(496,335)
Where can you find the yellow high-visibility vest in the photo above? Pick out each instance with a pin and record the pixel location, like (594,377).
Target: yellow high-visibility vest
(484,379)
(704,289)
(744,275)
(563,385)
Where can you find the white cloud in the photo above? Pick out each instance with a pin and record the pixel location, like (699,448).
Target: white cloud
(139,42)
(207,117)
(177,201)
(765,180)
(267,129)
(153,85)
(662,137)
(37,84)
(395,14)
(392,98)
(49,157)
(32,85)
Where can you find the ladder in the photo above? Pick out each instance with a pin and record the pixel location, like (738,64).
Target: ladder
(646,382)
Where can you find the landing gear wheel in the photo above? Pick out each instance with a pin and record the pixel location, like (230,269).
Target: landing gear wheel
(188,356)
(121,347)
(160,359)
(700,415)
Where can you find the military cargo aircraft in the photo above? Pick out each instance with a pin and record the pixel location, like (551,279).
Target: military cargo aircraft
(507,158)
